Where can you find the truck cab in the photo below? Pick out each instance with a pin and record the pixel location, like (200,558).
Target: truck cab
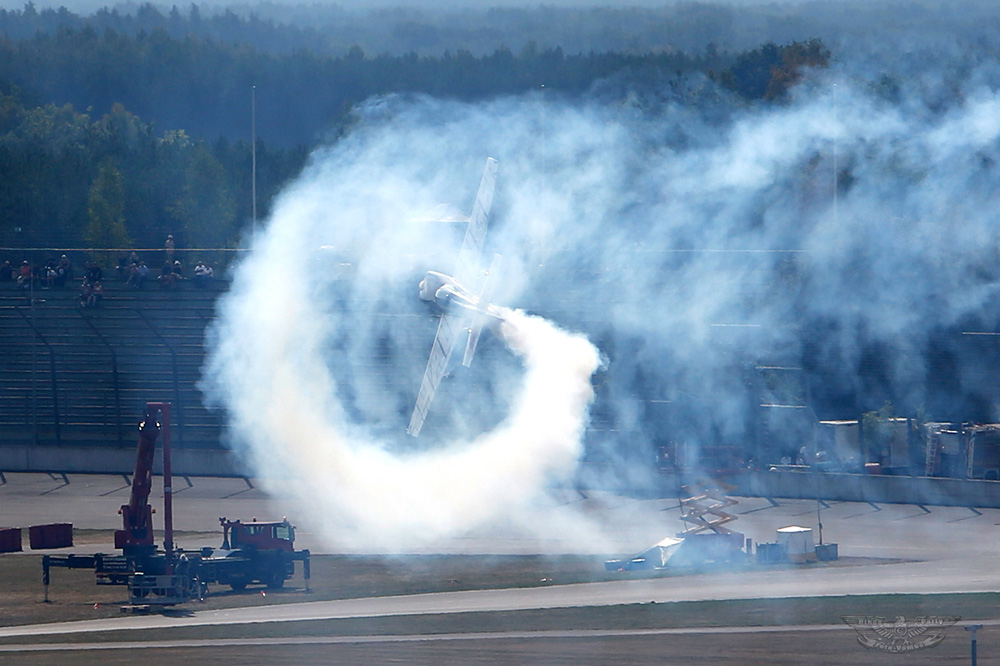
(274,535)
(255,552)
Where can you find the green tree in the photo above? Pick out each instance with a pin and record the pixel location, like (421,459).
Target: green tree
(769,71)
(206,210)
(106,210)
(795,58)
(877,430)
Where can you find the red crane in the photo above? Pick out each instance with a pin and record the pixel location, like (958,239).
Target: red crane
(136,536)
(253,553)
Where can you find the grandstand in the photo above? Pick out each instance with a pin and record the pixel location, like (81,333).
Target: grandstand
(73,376)
(74,382)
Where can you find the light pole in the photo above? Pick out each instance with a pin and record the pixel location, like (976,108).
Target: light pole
(973,628)
(253,164)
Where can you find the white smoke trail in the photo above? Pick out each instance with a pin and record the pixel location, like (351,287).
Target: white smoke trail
(274,378)
(690,237)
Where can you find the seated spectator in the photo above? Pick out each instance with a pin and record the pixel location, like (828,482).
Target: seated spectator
(64,271)
(86,291)
(125,264)
(49,275)
(202,275)
(24,275)
(96,295)
(136,276)
(6,271)
(93,272)
(133,273)
(143,274)
(168,278)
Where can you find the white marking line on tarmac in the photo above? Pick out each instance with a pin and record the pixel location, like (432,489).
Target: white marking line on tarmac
(416,638)
(607,593)
(425,638)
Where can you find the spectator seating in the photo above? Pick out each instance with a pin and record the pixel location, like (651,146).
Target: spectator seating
(73,375)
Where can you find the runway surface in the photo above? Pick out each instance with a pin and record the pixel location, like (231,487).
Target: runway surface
(916,550)
(914,578)
(617,525)
(426,638)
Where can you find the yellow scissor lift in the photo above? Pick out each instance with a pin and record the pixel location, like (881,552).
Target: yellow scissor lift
(706,539)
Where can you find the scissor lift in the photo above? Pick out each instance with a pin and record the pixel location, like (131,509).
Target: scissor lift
(705,511)
(705,508)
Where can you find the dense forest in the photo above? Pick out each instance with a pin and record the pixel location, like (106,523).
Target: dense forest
(70,180)
(203,85)
(122,126)
(431,28)
(153,128)
(186,70)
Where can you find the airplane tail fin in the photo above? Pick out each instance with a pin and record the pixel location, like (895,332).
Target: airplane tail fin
(484,301)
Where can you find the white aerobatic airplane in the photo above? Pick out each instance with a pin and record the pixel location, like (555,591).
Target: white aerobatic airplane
(461,309)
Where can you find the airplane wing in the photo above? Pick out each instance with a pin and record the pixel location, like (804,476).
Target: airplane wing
(453,324)
(449,328)
(475,233)
(480,320)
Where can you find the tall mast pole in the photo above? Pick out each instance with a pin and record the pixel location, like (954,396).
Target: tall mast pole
(836,166)
(253,158)
(168,490)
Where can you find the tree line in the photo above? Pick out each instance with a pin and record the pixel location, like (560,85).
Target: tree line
(71,180)
(111,139)
(331,29)
(172,70)
(204,85)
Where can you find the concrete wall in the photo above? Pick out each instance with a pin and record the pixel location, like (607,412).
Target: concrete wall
(871,488)
(106,460)
(877,488)
(791,485)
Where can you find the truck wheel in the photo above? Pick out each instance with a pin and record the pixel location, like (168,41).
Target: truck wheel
(276,580)
(238,585)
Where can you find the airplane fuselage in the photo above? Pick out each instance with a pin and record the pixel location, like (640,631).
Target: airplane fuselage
(448,296)
(444,291)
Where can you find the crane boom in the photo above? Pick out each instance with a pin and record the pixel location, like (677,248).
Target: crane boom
(136,534)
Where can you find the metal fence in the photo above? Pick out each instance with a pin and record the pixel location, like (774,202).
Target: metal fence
(115,259)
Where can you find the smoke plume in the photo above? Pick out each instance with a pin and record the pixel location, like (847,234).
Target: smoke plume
(315,362)
(691,236)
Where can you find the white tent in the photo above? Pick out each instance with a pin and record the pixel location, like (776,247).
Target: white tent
(654,557)
(798,543)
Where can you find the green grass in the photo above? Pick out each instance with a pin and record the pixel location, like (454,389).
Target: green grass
(74,595)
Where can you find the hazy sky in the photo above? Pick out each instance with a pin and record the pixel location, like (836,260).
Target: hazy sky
(91,5)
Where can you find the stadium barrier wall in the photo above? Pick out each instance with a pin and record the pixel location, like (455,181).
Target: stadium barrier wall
(106,460)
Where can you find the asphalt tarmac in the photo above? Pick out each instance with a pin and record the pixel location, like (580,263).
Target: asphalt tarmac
(965,535)
(885,549)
